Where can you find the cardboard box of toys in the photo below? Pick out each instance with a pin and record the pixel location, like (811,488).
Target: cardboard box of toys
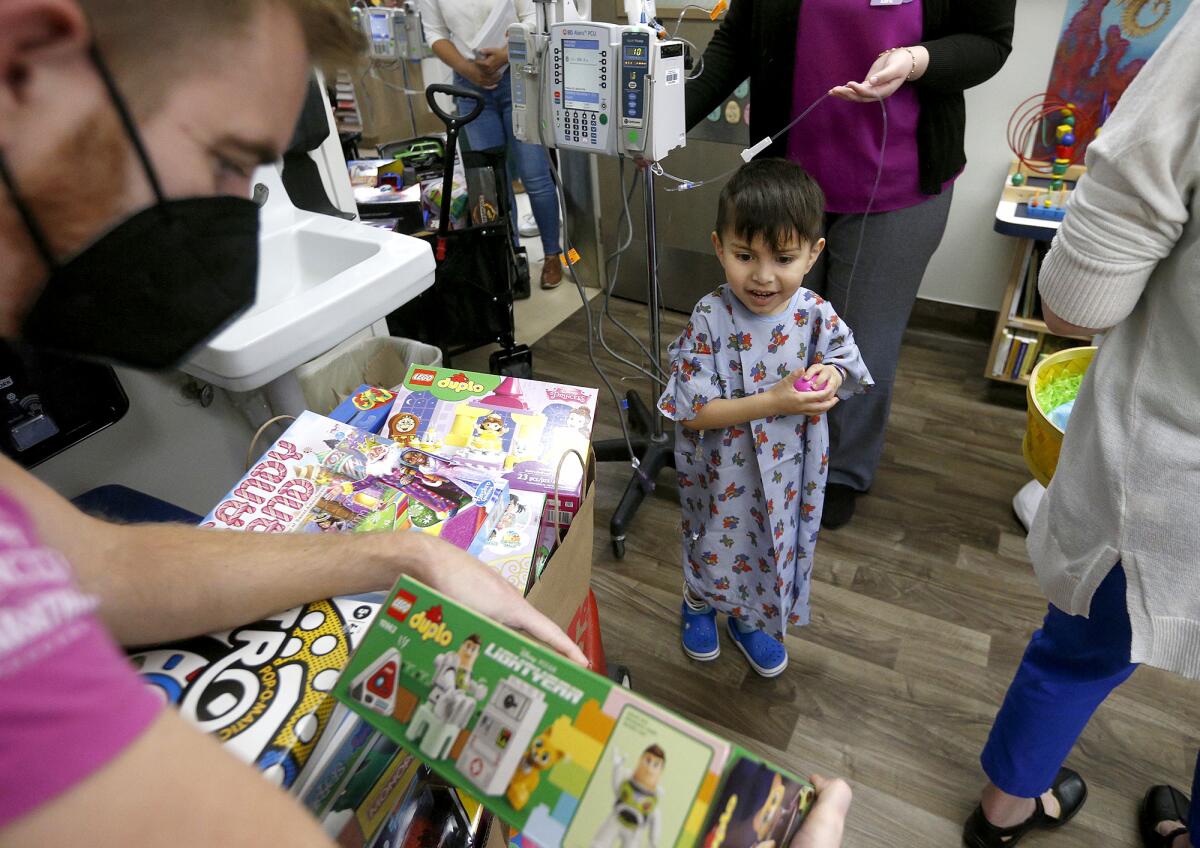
(521,429)
(563,755)
(556,591)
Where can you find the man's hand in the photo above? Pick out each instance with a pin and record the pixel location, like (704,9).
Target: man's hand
(465,579)
(492,60)
(889,71)
(825,822)
(785,400)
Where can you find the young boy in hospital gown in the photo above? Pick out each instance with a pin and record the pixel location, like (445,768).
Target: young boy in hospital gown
(751,450)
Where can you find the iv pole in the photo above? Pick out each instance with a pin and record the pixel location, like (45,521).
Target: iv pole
(653,445)
(652,441)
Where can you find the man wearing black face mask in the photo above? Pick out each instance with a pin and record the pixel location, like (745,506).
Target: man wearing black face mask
(162,107)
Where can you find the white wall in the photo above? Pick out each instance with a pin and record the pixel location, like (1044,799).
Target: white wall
(970,266)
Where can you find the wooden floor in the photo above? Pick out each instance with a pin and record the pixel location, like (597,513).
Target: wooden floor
(922,607)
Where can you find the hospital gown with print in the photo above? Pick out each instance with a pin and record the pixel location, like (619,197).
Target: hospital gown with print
(751,494)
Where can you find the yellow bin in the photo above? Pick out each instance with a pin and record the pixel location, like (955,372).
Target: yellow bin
(1043,440)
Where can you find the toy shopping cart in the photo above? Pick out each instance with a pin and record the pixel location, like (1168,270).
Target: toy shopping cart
(471,301)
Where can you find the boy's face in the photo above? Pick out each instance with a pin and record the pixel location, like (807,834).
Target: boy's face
(761,277)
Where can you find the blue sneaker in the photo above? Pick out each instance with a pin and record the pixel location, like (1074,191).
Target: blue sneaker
(700,640)
(766,656)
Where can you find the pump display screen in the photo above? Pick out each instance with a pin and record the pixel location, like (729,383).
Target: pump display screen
(581,74)
(381,27)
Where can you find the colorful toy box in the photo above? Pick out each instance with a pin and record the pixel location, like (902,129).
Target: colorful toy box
(559,753)
(518,428)
(263,689)
(366,409)
(323,475)
(387,799)
(512,546)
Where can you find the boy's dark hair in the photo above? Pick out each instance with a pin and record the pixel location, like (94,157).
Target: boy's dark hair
(772,198)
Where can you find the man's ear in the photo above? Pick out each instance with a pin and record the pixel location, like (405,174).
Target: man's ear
(32,31)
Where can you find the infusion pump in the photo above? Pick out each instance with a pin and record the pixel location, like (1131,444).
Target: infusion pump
(598,87)
(393,34)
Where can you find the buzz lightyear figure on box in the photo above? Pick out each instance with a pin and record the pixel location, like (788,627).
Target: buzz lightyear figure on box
(638,797)
(451,701)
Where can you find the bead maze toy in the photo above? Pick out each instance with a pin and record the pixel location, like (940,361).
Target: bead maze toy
(1041,188)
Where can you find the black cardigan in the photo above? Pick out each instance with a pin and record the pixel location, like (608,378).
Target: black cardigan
(968,42)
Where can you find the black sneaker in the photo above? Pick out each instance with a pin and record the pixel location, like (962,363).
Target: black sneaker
(839,506)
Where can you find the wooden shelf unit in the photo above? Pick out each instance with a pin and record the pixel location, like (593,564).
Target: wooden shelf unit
(1025,251)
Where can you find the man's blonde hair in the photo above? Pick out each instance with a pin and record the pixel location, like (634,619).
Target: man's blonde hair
(149,44)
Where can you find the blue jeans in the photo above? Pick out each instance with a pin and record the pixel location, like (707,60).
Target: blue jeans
(1069,668)
(493,130)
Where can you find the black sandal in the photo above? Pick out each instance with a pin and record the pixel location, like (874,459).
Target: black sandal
(1070,790)
(1161,804)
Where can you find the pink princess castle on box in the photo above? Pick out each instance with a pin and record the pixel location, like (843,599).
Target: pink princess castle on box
(521,428)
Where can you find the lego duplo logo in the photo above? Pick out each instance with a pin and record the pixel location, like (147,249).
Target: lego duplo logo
(422,377)
(401,605)
(431,627)
(460,383)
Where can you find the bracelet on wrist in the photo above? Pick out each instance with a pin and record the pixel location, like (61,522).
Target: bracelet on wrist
(911,55)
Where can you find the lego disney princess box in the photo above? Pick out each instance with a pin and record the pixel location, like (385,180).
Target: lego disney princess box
(520,428)
(561,754)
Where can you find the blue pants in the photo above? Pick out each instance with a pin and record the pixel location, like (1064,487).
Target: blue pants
(493,130)
(1069,668)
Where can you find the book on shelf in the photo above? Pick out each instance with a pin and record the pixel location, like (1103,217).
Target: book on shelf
(1011,360)
(1016,355)
(1002,351)
(1023,349)
(1026,304)
(1018,298)
(1018,360)
(1032,266)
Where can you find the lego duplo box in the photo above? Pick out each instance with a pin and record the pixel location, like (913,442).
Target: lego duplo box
(561,754)
(536,434)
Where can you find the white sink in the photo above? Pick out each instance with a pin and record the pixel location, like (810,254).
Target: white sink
(320,280)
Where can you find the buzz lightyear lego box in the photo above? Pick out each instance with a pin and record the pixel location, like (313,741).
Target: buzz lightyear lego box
(519,428)
(323,475)
(560,754)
